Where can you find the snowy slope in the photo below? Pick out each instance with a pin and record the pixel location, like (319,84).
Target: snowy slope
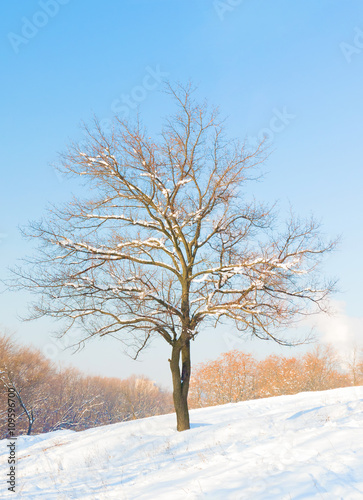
(308,446)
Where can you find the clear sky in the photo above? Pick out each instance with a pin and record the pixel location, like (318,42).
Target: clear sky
(290,70)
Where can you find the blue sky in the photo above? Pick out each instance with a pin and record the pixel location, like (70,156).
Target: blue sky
(63,61)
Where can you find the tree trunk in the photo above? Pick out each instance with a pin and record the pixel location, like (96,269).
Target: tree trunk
(181,349)
(30,427)
(30,420)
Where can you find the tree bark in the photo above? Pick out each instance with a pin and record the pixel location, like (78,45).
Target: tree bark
(181,378)
(31,421)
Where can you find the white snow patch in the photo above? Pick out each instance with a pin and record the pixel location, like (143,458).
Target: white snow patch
(305,447)
(183,181)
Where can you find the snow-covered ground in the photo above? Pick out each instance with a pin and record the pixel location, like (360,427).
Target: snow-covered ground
(307,446)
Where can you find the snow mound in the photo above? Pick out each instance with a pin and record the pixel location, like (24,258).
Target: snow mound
(307,446)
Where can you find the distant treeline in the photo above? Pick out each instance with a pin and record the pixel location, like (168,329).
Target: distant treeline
(237,376)
(48,398)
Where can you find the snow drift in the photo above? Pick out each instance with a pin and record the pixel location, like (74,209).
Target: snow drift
(306,446)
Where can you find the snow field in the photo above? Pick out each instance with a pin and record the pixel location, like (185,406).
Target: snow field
(306,446)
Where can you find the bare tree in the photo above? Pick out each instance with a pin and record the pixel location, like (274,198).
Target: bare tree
(322,369)
(228,379)
(113,408)
(26,371)
(167,242)
(72,401)
(143,398)
(353,363)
